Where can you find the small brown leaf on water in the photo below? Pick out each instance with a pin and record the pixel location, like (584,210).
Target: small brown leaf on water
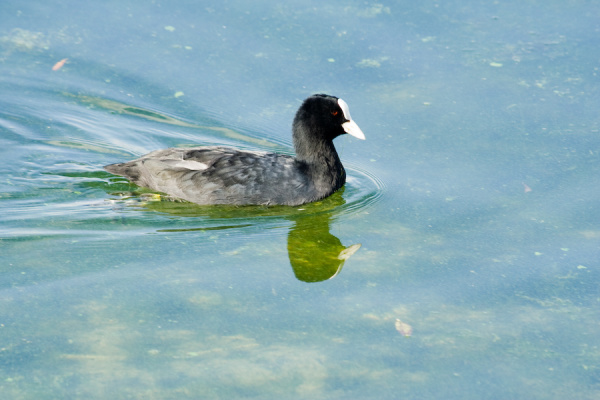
(403,328)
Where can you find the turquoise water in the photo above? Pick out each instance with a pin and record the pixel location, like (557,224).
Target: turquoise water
(470,213)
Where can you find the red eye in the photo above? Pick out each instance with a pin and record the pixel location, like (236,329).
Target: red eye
(334,113)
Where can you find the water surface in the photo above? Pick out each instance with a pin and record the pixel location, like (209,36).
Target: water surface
(470,212)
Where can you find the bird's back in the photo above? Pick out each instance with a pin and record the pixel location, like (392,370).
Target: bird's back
(222,175)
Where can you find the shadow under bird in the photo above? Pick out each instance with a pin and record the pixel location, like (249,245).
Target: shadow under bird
(224,175)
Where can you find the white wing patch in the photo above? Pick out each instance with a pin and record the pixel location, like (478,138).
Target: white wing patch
(188,164)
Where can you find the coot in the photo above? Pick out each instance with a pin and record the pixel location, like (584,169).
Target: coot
(224,175)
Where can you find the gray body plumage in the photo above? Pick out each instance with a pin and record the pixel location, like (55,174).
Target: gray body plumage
(230,176)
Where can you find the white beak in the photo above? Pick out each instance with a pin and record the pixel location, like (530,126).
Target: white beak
(352,129)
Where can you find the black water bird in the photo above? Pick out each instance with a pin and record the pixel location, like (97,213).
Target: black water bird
(224,175)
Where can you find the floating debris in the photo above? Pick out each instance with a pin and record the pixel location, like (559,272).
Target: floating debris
(59,64)
(368,63)
(526,188)
(373,11)
(371,62)
(24,40)
(403,328)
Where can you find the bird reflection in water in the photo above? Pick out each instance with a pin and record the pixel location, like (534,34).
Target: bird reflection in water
(314,253)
